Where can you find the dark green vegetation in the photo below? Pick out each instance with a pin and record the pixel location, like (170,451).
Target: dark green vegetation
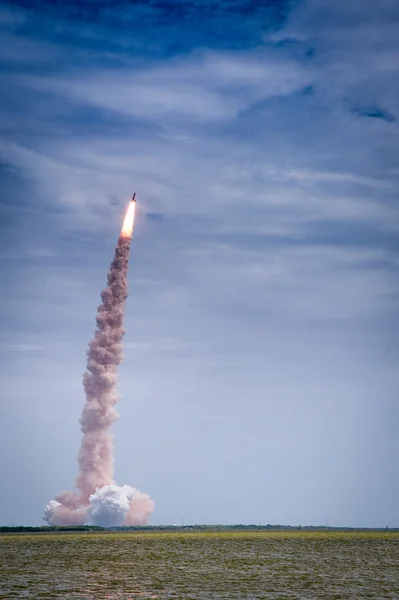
(203,566)
(45,528)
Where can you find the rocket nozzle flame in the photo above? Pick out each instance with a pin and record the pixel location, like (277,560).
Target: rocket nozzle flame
(127,227)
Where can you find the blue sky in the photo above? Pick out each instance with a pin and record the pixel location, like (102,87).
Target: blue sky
(260,375)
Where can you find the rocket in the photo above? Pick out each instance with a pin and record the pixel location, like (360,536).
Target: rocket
(134,197)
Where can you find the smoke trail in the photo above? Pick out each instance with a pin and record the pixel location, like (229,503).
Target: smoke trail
(100,501)
(99,381)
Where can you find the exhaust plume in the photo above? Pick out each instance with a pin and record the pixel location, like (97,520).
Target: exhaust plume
(99,501)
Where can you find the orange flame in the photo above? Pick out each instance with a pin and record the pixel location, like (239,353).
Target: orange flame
(127,227)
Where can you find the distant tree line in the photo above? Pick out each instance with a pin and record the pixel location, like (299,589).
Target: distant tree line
(241,527)
(43,528)
(183,528)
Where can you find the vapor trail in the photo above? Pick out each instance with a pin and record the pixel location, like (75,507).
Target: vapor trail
(99,500)
(103,358)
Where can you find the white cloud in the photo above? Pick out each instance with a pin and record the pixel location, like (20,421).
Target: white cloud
(205,87)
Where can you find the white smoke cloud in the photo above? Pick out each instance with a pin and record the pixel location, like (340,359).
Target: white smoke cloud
(109,506)
(49,510)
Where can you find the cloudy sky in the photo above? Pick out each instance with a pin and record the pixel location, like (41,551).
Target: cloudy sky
(260,376)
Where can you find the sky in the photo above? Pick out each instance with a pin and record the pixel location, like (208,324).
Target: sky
(260,376)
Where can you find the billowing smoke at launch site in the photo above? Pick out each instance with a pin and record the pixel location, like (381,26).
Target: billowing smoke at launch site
(99,501)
